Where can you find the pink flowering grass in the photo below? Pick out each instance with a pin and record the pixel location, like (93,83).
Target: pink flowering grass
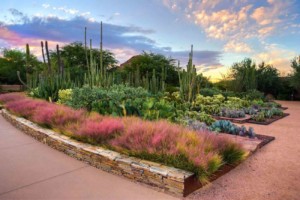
(57,116)
(201,152)
(153,137)
(25,107)
(102,130)
(5,98)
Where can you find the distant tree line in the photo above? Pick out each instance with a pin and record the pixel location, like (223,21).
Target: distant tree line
(150,68)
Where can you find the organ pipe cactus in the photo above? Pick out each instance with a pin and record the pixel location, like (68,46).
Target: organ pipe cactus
(48,57)
(188,80)
(43,54)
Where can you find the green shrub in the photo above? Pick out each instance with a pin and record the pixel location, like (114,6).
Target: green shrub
(64,96)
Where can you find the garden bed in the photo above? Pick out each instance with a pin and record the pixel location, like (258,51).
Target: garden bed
(167,179)
(283,108)
(268,121)
(234,120)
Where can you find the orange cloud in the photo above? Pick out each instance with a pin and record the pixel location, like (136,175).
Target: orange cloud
(279,58)
(237,47)
(224,23)
(123,54)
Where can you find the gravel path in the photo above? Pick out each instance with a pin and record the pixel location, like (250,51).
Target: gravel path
(272,173)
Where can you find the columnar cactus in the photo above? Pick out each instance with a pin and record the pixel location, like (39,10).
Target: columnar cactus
(188,80)
(48,57)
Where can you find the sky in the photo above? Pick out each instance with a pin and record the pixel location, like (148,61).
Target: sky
(222,31)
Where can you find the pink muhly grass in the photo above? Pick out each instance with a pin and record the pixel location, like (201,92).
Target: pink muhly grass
(153,137)
(135,137)
(25,107)
(57,116)
(101,130)
(96,117)
(5,98)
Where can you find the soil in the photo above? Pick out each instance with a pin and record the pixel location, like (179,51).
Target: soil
(272,173)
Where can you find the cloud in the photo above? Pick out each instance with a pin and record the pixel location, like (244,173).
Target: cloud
(237,22)
(266,30)
(112,17)
(237,47)
(11,39)
(279,58)
(223,24)
(203,59)
(18,17)
(45,5)
(124,41)
(66,10)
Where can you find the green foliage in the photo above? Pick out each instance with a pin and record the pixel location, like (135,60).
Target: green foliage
(215,100)
(268,80)
(199,116)
(259,117)
(235,102)
(295,77)
(244,75)
(146,63)
(232,154)
(252,95)
(49,86)
(154,109)
(267,113)
(13,61)
(209,91)
(64,96)
(117,100)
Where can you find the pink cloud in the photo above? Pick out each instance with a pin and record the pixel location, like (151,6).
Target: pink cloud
(15,40)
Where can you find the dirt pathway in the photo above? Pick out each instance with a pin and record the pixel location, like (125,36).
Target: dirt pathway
(273,173)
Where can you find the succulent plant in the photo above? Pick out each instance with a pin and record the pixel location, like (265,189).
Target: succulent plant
(250,110)
(225,126)
(259,117)
(232,113)
(195,124)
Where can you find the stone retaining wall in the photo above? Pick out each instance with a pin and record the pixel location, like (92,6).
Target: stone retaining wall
(11,88)
(167,179)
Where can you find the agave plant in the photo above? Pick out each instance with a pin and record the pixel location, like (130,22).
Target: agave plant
(225,126)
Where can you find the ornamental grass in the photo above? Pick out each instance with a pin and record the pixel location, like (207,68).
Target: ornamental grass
(202,152)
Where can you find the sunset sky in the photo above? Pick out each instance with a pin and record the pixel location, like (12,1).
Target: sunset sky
(222,31)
